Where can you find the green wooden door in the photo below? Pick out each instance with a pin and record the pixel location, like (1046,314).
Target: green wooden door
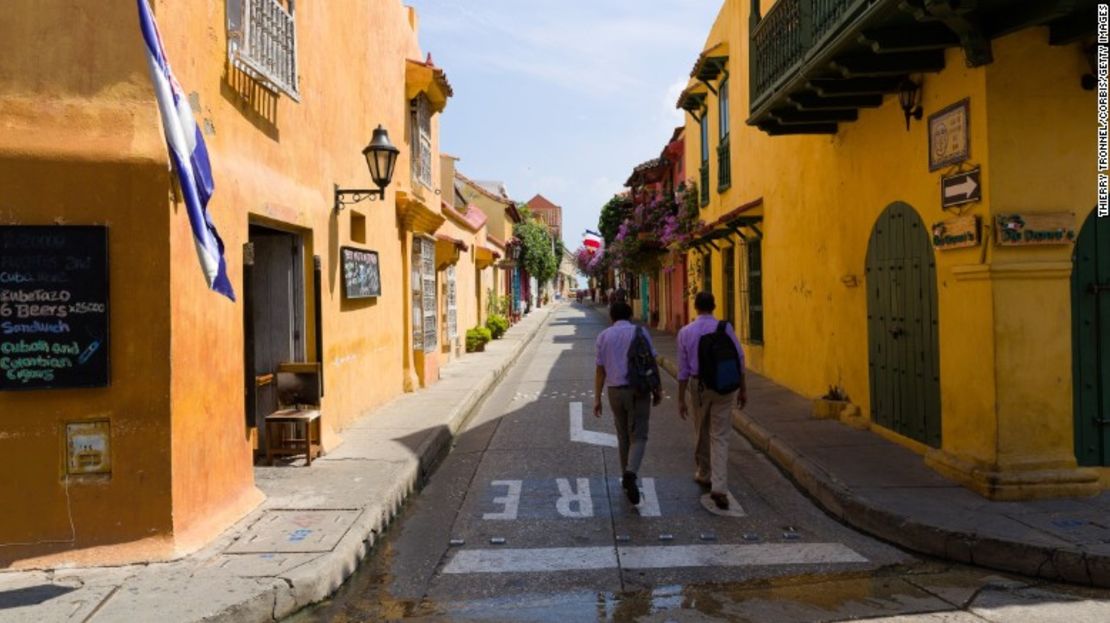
(1091,342)
(645,299)
(903,345)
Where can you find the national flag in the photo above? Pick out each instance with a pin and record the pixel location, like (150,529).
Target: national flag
(188,154)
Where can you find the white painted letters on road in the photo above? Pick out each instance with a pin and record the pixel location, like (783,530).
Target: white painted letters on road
(510,502)
(574,504)
(579,433)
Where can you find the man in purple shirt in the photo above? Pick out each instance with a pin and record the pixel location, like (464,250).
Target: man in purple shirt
(631,409)
(712,411)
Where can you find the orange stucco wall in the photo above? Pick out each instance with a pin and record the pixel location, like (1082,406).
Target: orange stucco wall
(181,450)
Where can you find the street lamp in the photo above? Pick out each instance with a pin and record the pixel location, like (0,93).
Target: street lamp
(381,158)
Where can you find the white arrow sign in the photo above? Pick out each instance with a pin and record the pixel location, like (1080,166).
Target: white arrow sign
(963,189)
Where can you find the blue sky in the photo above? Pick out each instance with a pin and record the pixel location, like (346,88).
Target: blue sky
(562,97)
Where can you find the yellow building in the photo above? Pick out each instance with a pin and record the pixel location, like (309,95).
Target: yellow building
(826,137)
(172,431)
(501,212)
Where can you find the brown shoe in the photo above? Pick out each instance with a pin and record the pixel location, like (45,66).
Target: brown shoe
(702,480)
(720,499)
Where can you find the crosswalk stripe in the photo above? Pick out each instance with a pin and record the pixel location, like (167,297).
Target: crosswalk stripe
(552,559)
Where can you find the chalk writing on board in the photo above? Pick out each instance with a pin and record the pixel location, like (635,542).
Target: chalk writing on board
(53,307)
(361,274)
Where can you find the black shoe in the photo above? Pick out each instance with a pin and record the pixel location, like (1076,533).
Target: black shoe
(720,499)
(630,488)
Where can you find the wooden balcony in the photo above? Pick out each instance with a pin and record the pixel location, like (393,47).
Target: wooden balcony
(815,63)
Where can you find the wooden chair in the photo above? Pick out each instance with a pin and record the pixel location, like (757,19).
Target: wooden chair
(294,429)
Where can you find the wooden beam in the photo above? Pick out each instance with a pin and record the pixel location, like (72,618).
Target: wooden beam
(813,101)
(828,87)
(1022,15)
(889,64)
(922,37)
(814,128)
(1071,29)
(789,116)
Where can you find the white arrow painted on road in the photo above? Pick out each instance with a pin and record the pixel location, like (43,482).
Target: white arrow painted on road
(550,559)
(964,188)
(580,434)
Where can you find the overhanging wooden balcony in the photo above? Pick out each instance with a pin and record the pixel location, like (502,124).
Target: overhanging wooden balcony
(815,63)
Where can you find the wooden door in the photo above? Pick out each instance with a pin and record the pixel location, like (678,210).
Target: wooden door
(1091,342)
(903,344)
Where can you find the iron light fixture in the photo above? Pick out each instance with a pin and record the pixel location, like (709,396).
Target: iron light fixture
(909,97)
(381,158)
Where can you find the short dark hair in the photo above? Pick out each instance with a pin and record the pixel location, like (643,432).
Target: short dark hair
(704,302)
(620,310)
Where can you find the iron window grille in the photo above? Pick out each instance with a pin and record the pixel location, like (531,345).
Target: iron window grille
(262,43)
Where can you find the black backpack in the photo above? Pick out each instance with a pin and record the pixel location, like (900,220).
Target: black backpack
(643,371)
(718,361)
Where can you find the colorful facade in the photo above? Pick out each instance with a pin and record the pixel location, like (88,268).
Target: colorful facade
(190,371)
(823,158)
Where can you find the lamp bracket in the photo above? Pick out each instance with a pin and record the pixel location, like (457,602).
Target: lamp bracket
(355,195)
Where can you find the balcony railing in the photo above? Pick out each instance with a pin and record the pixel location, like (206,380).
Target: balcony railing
(262,43)
(703,188)
(784,38)
(724,166)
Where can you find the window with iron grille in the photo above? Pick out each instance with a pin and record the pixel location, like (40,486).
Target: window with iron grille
(728,276)
(755,292)
(262,43)
(452,306)
(428,286)
(707,273)
(422,140)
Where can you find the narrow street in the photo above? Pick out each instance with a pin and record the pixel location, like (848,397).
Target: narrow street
(525,521)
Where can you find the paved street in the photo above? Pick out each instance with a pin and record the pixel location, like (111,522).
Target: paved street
(525,520)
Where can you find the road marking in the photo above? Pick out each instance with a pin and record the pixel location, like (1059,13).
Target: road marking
(647,557)
(649,500)
(574,504)
(580,434)
(510,502)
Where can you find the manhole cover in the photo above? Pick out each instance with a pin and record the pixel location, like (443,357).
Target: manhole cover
(287,532)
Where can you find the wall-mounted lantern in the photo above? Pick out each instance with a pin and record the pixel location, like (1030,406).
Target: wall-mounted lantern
(381,158)
(909,97)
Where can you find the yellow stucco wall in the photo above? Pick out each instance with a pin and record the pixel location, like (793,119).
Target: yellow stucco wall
(181,449)
(1005,347)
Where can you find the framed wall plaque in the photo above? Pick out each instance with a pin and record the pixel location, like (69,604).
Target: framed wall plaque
(949,137)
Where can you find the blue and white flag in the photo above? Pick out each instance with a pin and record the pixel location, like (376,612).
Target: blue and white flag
(188,154)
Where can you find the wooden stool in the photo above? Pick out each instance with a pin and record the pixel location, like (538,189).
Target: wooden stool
(304,440)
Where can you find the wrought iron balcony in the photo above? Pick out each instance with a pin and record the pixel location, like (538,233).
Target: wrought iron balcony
(815,63)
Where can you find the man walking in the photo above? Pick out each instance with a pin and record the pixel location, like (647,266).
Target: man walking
(710,355)
(622,353)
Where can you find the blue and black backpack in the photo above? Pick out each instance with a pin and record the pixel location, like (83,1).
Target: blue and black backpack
(718,361)
(643,371)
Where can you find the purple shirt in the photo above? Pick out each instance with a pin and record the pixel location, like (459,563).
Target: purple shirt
(688,338)
(612,351)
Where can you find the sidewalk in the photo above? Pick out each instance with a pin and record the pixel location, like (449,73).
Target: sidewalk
(309,535)
(885,490)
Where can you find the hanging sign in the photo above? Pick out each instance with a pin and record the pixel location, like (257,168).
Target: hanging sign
(960,188)
(956,233)
(1016,230)
(361,274)
(53,307)
(949,141)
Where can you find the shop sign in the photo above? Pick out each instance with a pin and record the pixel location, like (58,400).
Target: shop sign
(53,307)
(1035,229)
(960,188)
(361,274)
(956,233)
(949,139)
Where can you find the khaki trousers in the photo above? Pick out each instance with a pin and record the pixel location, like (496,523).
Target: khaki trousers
(712,414)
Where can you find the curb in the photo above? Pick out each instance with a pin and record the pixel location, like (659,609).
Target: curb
(1066,564)
(315,581)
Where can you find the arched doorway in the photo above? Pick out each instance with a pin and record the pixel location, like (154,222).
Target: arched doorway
(1090,304)
(903,343)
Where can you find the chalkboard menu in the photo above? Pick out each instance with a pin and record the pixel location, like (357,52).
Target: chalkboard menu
(361,276)
(53,307)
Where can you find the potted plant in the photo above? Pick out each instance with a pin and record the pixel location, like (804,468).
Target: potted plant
(477,338)
(831,404)
(497,325)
